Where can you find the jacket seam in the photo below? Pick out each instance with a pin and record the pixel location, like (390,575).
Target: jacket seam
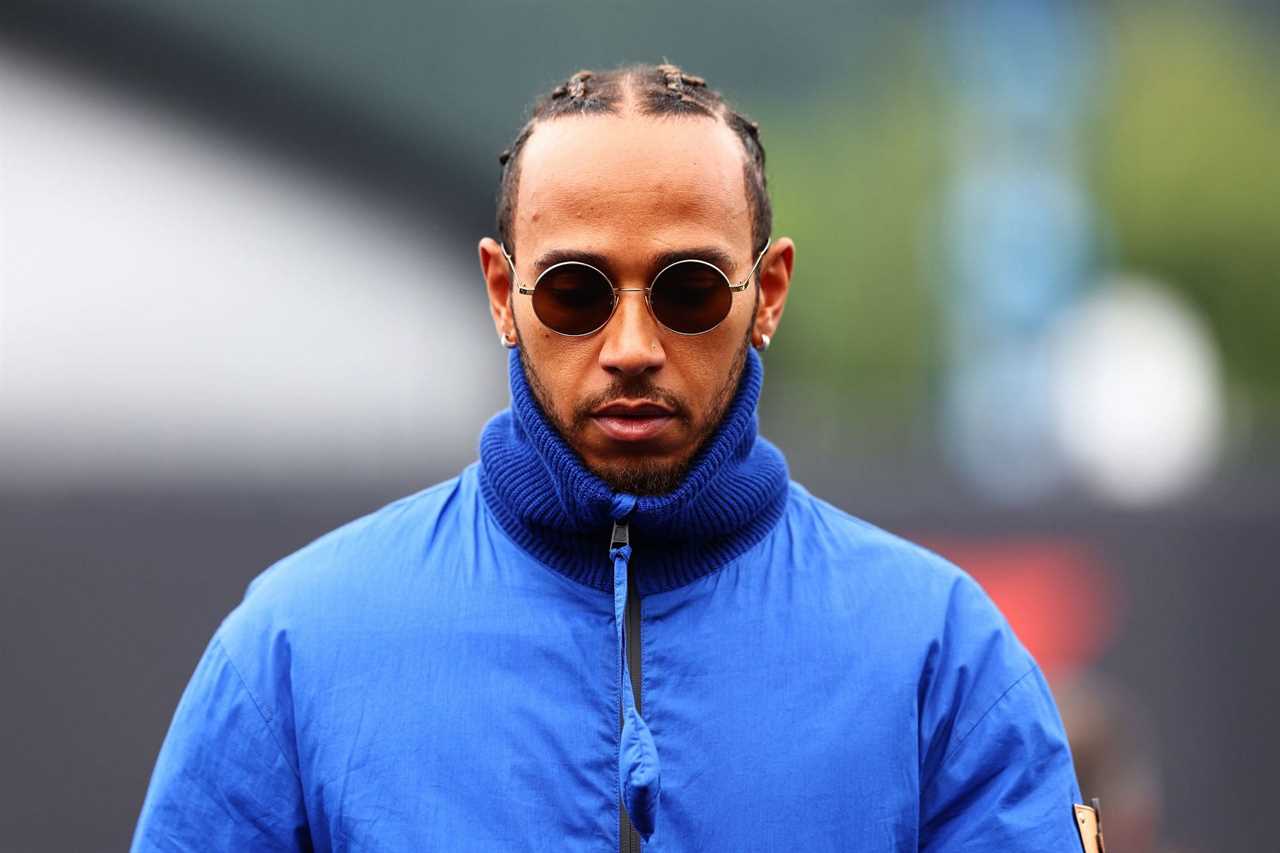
(965,737)
(262,714)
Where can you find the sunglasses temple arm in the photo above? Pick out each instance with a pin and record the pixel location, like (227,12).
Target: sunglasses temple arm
(760,257)
(515,277)
(746,282)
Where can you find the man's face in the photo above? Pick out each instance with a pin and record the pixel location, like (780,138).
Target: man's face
(634,399)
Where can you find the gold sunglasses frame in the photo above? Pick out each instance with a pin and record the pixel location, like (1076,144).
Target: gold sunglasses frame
(648,290)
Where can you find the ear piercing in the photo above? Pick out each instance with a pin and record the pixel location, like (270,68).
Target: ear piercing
(509,343)
(764,343)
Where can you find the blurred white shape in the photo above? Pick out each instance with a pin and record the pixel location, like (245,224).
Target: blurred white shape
(1139,407)
(174,306)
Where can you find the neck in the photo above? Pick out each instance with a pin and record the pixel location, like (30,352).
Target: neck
(559,511)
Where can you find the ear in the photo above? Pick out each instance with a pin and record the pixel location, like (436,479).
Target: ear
(497,279)
(775,279)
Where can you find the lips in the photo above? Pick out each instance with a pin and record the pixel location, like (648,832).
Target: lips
(633,420)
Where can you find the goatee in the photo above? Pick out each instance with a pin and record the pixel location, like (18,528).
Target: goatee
(638,475)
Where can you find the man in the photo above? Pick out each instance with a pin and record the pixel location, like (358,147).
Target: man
(623,622)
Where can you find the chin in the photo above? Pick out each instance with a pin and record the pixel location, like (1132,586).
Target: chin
(642,476)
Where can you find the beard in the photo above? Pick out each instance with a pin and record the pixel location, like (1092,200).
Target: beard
(638,475)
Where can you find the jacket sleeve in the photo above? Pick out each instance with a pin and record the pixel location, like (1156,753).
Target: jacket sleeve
(223,780)
(999,774)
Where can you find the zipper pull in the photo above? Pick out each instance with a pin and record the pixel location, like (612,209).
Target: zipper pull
(620,537)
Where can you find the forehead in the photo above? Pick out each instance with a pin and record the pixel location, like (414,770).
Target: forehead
(598,181)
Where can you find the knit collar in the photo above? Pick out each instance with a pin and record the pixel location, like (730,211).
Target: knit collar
(561,513)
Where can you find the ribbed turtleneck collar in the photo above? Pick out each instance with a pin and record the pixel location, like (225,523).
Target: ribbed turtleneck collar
(561,513)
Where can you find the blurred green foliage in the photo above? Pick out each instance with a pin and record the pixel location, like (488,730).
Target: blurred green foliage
(1180,148)
(1187,174)
(854,182)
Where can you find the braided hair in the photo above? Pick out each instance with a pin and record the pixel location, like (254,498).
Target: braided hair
(658,90)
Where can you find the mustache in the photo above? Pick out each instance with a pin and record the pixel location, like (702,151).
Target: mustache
(630,388)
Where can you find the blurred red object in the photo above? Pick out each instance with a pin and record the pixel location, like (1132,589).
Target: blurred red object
(1056,593)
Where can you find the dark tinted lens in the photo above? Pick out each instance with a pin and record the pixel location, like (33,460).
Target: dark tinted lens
(690,297)
(573,298)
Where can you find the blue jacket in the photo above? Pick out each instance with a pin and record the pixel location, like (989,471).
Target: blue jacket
(448,674)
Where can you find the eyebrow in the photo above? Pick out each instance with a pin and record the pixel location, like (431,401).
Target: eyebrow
(713,255)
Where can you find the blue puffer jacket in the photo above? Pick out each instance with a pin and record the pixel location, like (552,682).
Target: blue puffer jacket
(454,671)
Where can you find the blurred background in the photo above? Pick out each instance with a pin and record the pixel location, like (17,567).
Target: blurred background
(1035,324)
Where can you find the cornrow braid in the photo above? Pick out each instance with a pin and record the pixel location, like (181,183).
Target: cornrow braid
(663,89)
(677,80)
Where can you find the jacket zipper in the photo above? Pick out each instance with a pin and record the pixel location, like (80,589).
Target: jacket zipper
(628,838)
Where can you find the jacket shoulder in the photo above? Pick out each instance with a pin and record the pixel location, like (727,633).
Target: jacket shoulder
(907,581)
(349,573)
(382,539)
(967,657)
(821,529)
(994,759)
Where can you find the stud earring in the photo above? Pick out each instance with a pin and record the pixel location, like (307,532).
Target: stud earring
(764,343)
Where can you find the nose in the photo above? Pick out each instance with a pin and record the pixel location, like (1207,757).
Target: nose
(632,342)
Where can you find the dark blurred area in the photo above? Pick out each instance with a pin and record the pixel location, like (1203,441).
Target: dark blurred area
(1035,325)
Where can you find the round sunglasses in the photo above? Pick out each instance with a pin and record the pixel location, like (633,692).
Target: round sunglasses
(689,296)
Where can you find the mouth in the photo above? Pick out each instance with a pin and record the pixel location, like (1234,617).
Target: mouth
(633,420)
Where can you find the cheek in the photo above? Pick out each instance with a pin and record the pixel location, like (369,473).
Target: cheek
(705,362)
(563,369)
(522,310)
